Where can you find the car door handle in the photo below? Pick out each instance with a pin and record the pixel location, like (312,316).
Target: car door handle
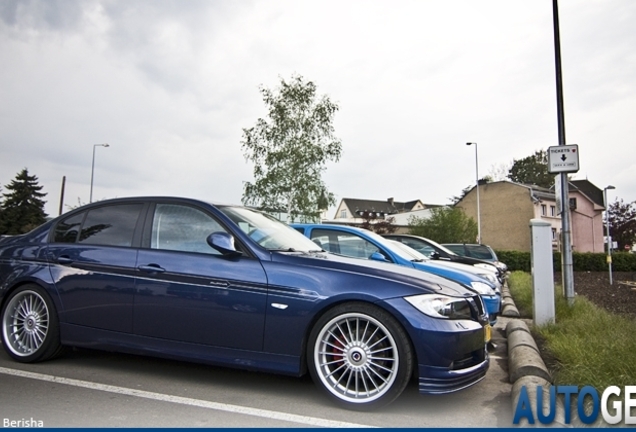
(151,268)
(64,260)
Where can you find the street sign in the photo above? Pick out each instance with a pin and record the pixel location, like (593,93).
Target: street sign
(563,159)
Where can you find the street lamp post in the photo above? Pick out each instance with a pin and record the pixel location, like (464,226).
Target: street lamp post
(477,183)
(609,237)
(93,168)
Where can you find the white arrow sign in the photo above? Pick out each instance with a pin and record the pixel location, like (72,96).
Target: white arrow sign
(563,159)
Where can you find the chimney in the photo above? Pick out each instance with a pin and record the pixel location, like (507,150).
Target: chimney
(390,201)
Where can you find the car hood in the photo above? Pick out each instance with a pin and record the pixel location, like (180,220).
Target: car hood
(464,268)
(416,280)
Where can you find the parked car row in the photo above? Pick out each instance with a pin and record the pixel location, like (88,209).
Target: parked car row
(227,285)
(476,255)
(360,243)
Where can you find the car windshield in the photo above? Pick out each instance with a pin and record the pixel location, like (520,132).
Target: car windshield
(481,252)
(439,246)
(410,253)
(269,232)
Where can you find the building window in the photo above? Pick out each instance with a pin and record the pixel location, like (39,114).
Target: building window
(543,210)
(552,211)
(554,233)
(343,214)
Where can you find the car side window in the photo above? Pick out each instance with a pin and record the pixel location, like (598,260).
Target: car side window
(343,243)
(183,228)
(68,229)
(110,225)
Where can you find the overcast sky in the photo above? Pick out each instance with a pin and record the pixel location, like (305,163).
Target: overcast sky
(169,85)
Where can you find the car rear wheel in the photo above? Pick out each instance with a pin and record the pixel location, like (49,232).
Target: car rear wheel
(360,356)
(30,329)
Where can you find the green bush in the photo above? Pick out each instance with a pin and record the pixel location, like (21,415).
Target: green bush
(515,260)
(584,261)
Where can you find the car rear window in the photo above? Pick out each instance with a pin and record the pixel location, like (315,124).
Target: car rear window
(111,225)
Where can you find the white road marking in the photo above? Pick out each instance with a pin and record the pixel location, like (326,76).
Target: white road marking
(256,412)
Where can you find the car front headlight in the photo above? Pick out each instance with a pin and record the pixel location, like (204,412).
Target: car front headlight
(441,306)
(482,288)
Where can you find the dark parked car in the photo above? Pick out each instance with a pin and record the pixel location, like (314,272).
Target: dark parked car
(437,251)
(479,251)
(227,285)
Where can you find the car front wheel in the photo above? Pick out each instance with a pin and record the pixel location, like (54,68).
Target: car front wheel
(360,356)
(30,330)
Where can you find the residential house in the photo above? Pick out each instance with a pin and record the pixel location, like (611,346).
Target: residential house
(506,209)
(350,211)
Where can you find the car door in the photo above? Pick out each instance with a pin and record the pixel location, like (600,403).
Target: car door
(187,291)
(93,265)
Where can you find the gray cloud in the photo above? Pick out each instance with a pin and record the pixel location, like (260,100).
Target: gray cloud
(170,84)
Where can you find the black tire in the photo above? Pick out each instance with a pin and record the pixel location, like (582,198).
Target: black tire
(30,327)
(360,356)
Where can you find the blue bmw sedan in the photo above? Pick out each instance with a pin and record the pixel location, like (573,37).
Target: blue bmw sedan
(361,243)
(227,285)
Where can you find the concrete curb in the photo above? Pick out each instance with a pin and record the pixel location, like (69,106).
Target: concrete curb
(524,358)
(509,309)
(526,367)
(527,370)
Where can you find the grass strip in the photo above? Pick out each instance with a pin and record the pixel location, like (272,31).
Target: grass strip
(587,344)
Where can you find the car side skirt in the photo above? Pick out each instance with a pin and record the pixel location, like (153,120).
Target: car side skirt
(80,336)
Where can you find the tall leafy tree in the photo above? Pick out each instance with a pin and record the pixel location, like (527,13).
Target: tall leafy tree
(23,206)
(532,170)
(445,225)
(622,223)
(289,150)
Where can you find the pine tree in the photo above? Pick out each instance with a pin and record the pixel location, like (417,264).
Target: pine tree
(23,207)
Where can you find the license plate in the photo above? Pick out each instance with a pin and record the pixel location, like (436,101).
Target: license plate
(487,333)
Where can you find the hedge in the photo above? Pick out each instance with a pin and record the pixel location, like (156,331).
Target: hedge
(587,261)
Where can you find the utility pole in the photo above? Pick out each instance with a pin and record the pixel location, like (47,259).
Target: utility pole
(567,268)
(62,194)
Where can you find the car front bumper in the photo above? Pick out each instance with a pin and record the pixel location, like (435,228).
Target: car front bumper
(436,380)
(451,354)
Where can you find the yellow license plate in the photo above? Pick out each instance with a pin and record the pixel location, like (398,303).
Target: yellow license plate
(487,333)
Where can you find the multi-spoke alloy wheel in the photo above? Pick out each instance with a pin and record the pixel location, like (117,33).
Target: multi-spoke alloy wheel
(360,356)
(29,330)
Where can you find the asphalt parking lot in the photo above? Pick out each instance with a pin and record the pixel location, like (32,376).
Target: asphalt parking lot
(86,388)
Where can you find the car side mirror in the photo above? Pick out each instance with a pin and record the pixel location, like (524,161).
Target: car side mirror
(377,256)
(224,243)
(434,255)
